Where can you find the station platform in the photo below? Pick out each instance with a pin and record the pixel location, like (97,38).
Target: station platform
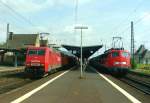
(10,68)
(71,89)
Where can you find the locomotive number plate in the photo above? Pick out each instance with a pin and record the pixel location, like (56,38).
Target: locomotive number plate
(35,64)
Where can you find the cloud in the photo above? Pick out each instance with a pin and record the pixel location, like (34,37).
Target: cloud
(2,32)
(146,18)
(68,35)
(38,5)
(25,6)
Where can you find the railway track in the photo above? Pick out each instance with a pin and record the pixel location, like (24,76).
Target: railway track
(9,72)
(12,80)
(138,80)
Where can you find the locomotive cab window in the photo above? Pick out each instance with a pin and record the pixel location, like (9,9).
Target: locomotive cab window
(36,52)
(32,52)
(41,52)
(125,54)
(115,54)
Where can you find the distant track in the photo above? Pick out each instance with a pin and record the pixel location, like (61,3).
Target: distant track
(10,71)
(12,80)
(140,82)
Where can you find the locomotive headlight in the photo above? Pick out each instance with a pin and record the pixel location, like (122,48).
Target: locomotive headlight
(123,63)
(116,63)
(42,64)
(28,64)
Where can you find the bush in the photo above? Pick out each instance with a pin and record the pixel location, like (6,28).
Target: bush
(133,64)
(143,66)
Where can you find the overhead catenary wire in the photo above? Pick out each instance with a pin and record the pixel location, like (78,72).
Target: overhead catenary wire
(120,24)
(14,18)
(130,14)
(135,23)
(18,14)
(127,18)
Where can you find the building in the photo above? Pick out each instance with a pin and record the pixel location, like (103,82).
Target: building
(142,55)
(16,41)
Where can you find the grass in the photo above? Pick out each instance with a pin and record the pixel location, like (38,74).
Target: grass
(143,68)
(143,71)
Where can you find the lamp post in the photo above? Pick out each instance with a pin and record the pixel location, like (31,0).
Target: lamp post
(81,28)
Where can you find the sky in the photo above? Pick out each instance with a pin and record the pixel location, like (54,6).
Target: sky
(104,18)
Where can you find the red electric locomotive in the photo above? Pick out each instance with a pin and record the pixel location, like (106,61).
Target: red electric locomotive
(41,60)
(115,61)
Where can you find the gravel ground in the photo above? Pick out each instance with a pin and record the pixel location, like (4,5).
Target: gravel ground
(12,80)
(140,77)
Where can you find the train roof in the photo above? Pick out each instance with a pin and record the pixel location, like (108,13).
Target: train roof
(55,50)
(115,49)
(51,49)
(33,47)
(67,53)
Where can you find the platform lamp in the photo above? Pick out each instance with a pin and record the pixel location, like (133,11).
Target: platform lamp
(81,28)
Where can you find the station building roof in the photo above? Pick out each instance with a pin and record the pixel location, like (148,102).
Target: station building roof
(87,51)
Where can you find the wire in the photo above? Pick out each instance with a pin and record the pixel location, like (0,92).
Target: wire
(18,14)
(130,14)
(127,18)
(136,22)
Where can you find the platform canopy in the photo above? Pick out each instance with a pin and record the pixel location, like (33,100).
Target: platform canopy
(87,50)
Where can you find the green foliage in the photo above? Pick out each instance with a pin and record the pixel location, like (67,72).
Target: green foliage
(143,66)
(133,64)
(2,44)
(143,71)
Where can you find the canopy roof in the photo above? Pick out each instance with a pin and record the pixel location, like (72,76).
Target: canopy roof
(87,51)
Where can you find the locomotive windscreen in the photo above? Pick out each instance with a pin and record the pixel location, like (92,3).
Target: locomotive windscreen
(125,54)
(36,52)
(115,54)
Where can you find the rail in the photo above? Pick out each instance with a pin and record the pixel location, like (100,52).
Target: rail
(138,80)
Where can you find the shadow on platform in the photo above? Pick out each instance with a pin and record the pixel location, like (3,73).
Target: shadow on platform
(88,69)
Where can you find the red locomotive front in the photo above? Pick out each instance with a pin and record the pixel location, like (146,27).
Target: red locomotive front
(114,60)
(118,60)
(38,60)
(42,60)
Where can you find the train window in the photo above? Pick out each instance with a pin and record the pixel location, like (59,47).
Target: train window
(115,54)
(32,52)
(41,52)
(125,54)
(36,52)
